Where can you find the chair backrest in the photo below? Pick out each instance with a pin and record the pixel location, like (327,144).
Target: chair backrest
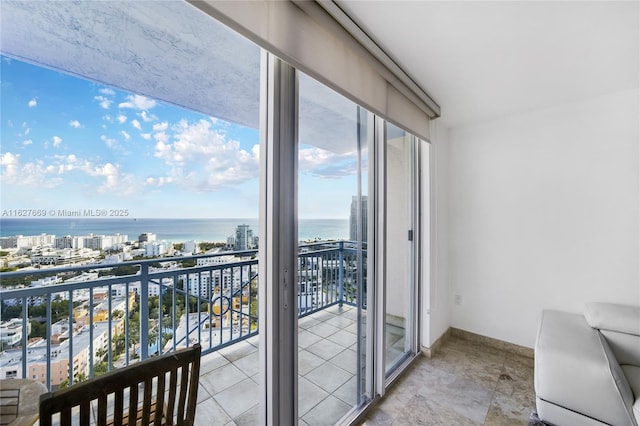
(167,384)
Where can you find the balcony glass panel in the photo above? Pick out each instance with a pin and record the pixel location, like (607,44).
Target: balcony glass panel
(332,191)
(129,194)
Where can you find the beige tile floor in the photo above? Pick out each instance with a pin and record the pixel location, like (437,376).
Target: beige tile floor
(465,383)
(229,382)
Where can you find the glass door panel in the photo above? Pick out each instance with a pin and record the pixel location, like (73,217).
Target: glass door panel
(399,276)
(332,234)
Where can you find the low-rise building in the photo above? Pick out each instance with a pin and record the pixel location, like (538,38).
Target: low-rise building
(11,332)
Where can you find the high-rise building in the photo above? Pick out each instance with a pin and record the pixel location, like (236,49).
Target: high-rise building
(353,218)
(244,238)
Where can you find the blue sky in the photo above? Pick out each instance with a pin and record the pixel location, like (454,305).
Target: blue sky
(69,143)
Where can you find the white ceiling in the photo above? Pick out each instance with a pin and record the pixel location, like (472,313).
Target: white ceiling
(483,60)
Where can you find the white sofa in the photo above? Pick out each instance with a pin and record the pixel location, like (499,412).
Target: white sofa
(587,367)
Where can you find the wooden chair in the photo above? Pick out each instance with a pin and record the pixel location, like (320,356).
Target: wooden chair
(168,384)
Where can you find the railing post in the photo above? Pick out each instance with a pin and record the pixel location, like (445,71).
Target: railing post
(144,311)
(340,273)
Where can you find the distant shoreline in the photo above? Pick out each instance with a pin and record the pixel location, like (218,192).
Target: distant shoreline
(174,230)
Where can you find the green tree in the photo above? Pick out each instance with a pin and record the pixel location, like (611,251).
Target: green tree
(208,245)
(100,368)
(38,329)
(188,263)
(101,353)
(11,311)
(165,338)
(118,343)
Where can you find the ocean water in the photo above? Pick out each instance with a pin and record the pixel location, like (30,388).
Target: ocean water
(174,230)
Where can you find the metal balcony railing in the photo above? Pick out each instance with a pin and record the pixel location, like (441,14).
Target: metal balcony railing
(103,316)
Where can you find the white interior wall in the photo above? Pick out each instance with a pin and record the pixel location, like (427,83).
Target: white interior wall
(544,213)
(436,300)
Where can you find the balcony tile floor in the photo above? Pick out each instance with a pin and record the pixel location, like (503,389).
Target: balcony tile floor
(465,383)
(229,382)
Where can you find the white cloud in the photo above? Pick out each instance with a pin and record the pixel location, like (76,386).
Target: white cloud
(32,103)
(326,164)
(26,130)
(122,118)
(110,172)
(126,135)
(138,102)
(75,124)
(57,140)
(28,174)
(27,142)
(212,160)
(160,127)
(111,177)
(41,175)
(146,117)
(136,124)
(107,91)
(146,136)
(159,181)
(114,145)
(161,137)
(111,143)
(10,163)
(64,164)
(103,101)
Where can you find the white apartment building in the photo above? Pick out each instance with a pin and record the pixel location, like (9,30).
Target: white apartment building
(104,242)
(11,331)
(69,241)
(190,247)
(56,257)
(45,281)
(11,360)
(231,242)
(21,241)
(206,284)
(147,237)
(120,290)
(114,258)
(155,248)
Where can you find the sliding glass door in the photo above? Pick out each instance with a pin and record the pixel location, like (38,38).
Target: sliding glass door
(332,236)
(399,243)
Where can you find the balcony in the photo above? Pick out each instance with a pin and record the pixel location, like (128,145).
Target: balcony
(229,379)
(99,317)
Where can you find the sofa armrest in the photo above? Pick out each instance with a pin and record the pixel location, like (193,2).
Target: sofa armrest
(613,317)
(575,369)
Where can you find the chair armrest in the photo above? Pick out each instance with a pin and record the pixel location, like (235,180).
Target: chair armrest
(575,369)
(613,317)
